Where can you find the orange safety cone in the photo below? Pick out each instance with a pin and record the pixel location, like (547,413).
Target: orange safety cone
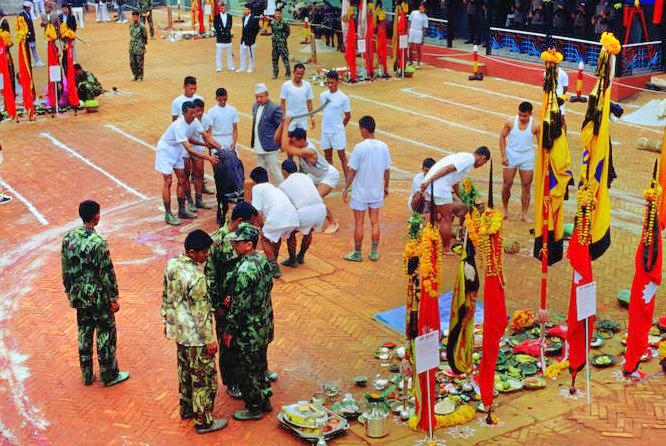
(476,76)
(579,86)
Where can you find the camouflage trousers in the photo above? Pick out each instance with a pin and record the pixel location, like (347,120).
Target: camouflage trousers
(88,90)
(251,367)
(149,18)
(103,322)
(226,359)
(136,65)
(283,52)
(197,383)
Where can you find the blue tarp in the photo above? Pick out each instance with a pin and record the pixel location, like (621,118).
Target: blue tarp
(395,317)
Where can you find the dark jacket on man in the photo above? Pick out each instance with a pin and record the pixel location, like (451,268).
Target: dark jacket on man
(71,21)
(222,31)
(270,120)
(31,28)
(250,25)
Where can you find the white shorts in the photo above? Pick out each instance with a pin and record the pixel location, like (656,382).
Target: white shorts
(274,235)
(521,160)
(415,36)
(331,179)
(337,141)
(360,206)
(442,197)
(300,123)
(311,217)
(166,161)
(224,140)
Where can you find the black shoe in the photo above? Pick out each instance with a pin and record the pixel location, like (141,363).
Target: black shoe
(216,425)
(300,259)
(266,406)
(271,376)
(88,382)
(121,377)
(234,392)
(187,416)
(247,415)
(291,262)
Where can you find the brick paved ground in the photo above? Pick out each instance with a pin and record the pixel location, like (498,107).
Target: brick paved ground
(324,328)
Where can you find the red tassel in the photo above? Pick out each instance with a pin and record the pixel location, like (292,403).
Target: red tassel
(52,59)
(25,79)
(8,91)
(350,49)
(72,92)
(201,17)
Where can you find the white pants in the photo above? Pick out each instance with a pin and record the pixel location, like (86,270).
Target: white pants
(33,50)
(247,52)
(271,163)
(37,8)
(101,12)
(220,47)
(79,15)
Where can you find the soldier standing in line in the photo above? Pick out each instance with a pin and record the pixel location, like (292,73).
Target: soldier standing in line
(221,261)
(187,313)
(137,46)
(146,9)
(91,287)
(281,31)
(249,321)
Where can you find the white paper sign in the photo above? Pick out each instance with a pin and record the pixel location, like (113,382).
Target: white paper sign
(54,73)
(586,300)
(361,46)
(427,351)
(206,9)
(2,82)
(402,42)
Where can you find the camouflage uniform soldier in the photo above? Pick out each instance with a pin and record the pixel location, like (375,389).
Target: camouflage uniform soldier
(90,284)
(87,84)
(249,321)
(279,38)
(222,259)
(188,320)
(146,9)
(137,46)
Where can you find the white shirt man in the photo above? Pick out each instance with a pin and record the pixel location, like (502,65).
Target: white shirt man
(223,120)
(170,150)
(370,159)
(443,187)
(333,134)
(418,21)
(297,97)
(280,216)
(177,104)
(309,205)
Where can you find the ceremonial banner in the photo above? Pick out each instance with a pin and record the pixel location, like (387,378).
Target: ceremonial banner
(350,46)
(52,61)
(72,91)
(646,279)
(552,170)
(200,16)
(25,73)
(382,52)
(369,42)
(6,84)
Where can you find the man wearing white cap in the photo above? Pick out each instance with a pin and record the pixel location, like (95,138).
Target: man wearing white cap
(266,118)
(30,38)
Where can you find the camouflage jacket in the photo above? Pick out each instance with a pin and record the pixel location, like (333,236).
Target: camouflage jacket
(221,260)
(145,6)
(138,38)
(186,308)
(249,319)
(280,32)
(87,269)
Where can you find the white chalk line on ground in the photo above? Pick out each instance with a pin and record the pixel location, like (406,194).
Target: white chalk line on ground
(424,95)
(94,166)
(518,98)
(33,210)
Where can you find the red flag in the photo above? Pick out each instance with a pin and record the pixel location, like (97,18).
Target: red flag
(369,46)
(25,78)
(7,91)
(350,49)
(644,286)
(201,17)
(658,11)
(382,53)
(579,256)
(402,30)
(72,93)
(52,59)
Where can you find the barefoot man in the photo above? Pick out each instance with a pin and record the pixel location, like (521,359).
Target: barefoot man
(518,155)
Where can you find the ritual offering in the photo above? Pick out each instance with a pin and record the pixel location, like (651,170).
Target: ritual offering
(311,422)
(534,383)
(603,361)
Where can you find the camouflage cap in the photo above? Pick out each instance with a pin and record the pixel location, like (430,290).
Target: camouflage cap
(244,232)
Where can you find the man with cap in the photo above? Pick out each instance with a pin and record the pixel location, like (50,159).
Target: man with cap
(137,46)
(250,26)
(266,118)
(310,208)
(249,321)
(30,38)
(278,216)
(90,283)
(187,312)
(221,261)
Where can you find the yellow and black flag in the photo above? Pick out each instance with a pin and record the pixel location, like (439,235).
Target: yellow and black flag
(597,166)
(552,171)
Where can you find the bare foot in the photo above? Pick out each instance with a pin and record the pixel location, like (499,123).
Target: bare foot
(525,218)
(506,214)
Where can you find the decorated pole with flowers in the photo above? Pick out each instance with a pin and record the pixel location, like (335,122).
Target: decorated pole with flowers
(68,36)
(52,61)
(382,52)
(399,32)
(25,71)
(494,305)
(7,75)
(591,235)
(350,45)
(369,41)
(646,279)
(552,177)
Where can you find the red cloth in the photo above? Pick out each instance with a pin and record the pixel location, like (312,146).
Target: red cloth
(202,29)
(581,262)
(8,91)
(658,11)
(641,313)
(382,52)
(25,79)
(494,324)
(369,46)
(350,49)
(428,320)
(72,93)
(52,59)
(402,30)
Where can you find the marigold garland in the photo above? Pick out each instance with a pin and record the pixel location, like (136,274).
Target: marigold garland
(551,56)
(554,370)
(50,33)
(485,232)
(472,223)
(522,319)
(21,29)
(610,43)
(66,33)
(6,39)
(405,8)
(652,197)
(430,257)
(662,350)
(586,204)
(462,415)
